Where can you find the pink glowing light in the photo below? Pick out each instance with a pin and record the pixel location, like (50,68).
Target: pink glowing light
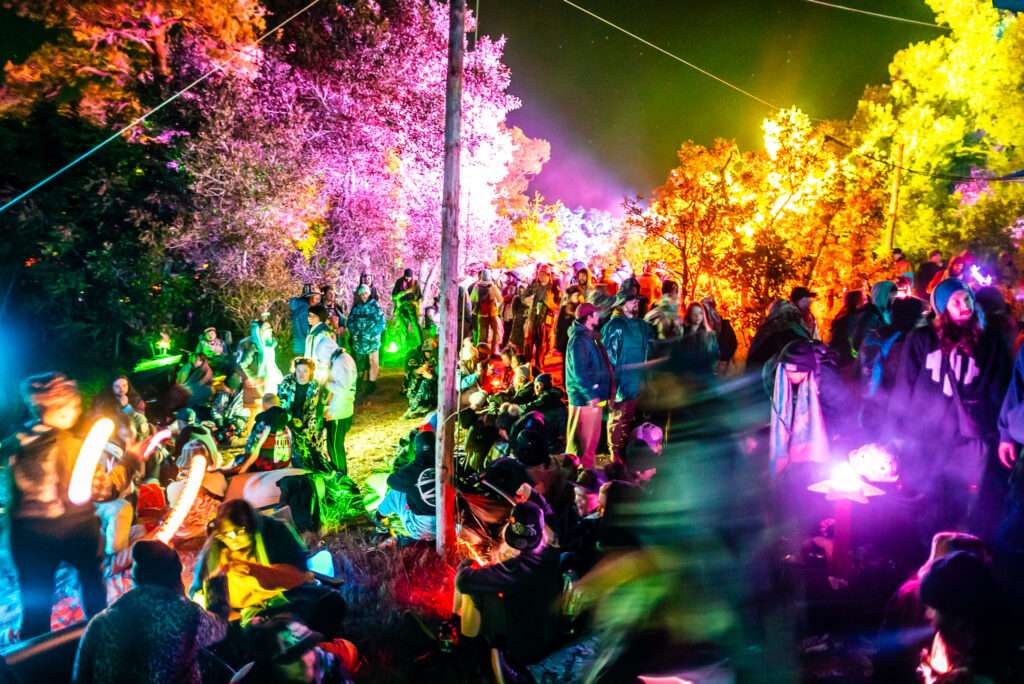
(646,679)
(155,441)
(196,471)
(80,489)
(845,483)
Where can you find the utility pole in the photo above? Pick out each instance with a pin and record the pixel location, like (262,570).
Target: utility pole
(894,202)
(451,317)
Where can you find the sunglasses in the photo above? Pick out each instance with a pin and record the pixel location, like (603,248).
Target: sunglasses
(232,534)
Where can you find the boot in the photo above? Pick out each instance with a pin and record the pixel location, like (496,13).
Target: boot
(503,672)
(371,387)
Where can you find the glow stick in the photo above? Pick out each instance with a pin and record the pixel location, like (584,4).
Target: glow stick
(80,489)
(155,441)
(196,471)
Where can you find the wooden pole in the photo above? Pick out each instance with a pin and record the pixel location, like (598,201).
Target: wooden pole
(894,201)
(450,314)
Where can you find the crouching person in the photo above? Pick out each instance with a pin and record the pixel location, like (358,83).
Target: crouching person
(409,504)
(513,604)
(152,633)
(264,562)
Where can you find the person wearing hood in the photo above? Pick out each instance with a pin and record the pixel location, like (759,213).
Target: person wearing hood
(410,499)
(589,381)
(879,358)
(584,280)
(485,300)
(950,384)
(783,325)
(367,280)
(407,295)
(627,337)
(876,313)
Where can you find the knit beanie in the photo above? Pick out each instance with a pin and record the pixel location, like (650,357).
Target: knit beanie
(944,290)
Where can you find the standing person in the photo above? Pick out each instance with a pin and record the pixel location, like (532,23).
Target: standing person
(45,527)
(900,266)
(520,312)
(724,332)
(320,344)
(486,301)
(341,385)
(262,335)
(508,294)
(367,279)
(545,298)
(1007,273)
(783,325)
(876,313)
(566,316)
(925,273)
(335,310)
(627,338)
(650,286)
(299,307)
(803,298)
(302,399)
(957,269)
(589,381)
(407,295)
(698,345)
(842,328)
(948,390)
(366,323)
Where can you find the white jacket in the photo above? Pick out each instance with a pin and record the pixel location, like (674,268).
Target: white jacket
(342,385)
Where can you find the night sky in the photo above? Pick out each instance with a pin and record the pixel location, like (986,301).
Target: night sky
(616,111)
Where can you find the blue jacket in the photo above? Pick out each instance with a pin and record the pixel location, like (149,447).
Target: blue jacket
(628,341)
(587,374)
(300,323)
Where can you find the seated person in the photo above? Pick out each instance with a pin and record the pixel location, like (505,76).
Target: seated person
(507,416)
(269,446)
(550,477)
(422,392)
(521,392)
(285,650)
(153,633)
(215,349)
(514,603)
(409,504)
(639,464)
(265,564)
(196,377)
(212,490)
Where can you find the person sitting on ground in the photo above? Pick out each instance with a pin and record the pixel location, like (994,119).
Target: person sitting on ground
(524,360)
(285,651)
(196,376)
(550,402)
(639,464)
(507,416)
(481,433)
(213,348)
(153,633)
(974,620)
(508,365)
(264,562)
(269,445)
(550,477)
(409,504)
(513,603)
(422,392)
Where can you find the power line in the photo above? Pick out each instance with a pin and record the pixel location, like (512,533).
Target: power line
(876,14)
(852,148)
(136,122)
(675,57)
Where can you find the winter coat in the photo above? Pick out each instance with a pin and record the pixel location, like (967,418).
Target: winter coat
(1011,415)
(320,345)
(551,405)
(628,341)
(366,324)
(312,448)
(783,325)
(299,307)
(588,375)
(341,383)
(701,346)
(485,299)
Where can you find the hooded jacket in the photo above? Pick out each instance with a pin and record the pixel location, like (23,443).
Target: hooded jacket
(628,341)
(588,375)
(414,480)
(875,314)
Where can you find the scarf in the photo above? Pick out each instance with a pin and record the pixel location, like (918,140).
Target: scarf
(797,427)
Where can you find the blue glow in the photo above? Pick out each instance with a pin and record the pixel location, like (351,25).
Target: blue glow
(321,563)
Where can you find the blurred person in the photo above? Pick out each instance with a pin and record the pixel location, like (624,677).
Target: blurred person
(262,336)
(925,272)
(264,562)
(650,284)
(948,390)
(366,325)
(803,299)
(545,297)
(1007,273)
(784,324)
(196,376)
(876,313)
(638,465)
(995,314)
(286,651)
(45,528)
(152,634)
(957,269)
(698,342)
(724,332)
(842,328)
(407,296)
(627,340)
(879,357)
(589,382)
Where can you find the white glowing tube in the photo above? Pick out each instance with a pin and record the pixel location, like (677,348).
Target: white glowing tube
(196,471)
(155,441)
(80,489)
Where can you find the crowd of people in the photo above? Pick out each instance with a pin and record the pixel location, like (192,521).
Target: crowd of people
(591,401)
